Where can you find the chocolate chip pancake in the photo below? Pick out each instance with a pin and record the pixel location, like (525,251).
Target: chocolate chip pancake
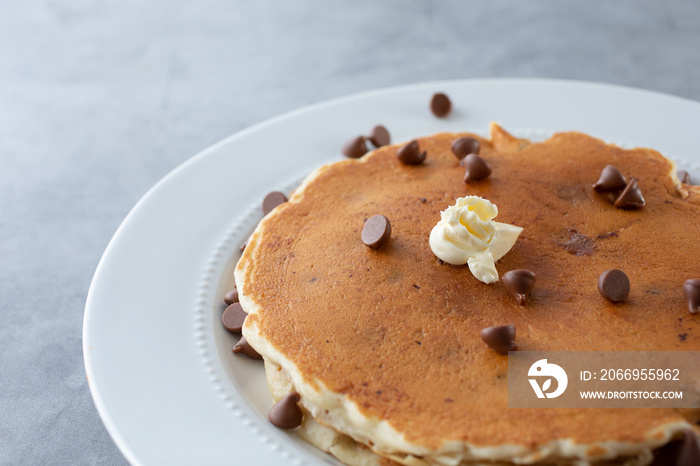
(383,344)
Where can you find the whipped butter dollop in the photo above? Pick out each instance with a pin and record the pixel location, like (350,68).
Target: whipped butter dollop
(467,234)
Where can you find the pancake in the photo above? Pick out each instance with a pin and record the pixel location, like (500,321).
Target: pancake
(383,345)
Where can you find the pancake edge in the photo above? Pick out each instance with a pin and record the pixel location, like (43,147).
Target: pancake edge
(335,411)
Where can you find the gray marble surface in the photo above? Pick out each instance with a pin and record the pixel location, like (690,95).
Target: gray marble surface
(99,100)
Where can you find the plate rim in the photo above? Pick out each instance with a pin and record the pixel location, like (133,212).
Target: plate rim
(89,310)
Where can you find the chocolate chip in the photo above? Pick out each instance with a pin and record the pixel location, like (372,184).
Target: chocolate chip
(464,146)
(477,168)
(683,452)
(272,200)
(689,451)
(286,413)
(519,282)
(410,154)
(501,339)
(578,244)
(355,147)
(614,285)
(440,105)
(243,347)
(691,289)
(231,297)
(233,318)
(376,231)
(684,176)
(379,136)
(631,197)
(610,181)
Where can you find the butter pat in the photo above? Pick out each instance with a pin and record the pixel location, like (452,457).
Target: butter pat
(467,234)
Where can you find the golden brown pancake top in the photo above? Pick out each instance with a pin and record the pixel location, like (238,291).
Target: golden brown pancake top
(397,332)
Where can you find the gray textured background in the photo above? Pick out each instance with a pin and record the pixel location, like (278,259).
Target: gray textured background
(100,99)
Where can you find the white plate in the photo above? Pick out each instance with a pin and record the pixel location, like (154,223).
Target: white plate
(159,364)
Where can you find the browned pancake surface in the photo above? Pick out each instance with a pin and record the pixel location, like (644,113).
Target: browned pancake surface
(397,332)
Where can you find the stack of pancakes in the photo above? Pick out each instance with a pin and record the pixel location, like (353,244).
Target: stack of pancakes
(383,345)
